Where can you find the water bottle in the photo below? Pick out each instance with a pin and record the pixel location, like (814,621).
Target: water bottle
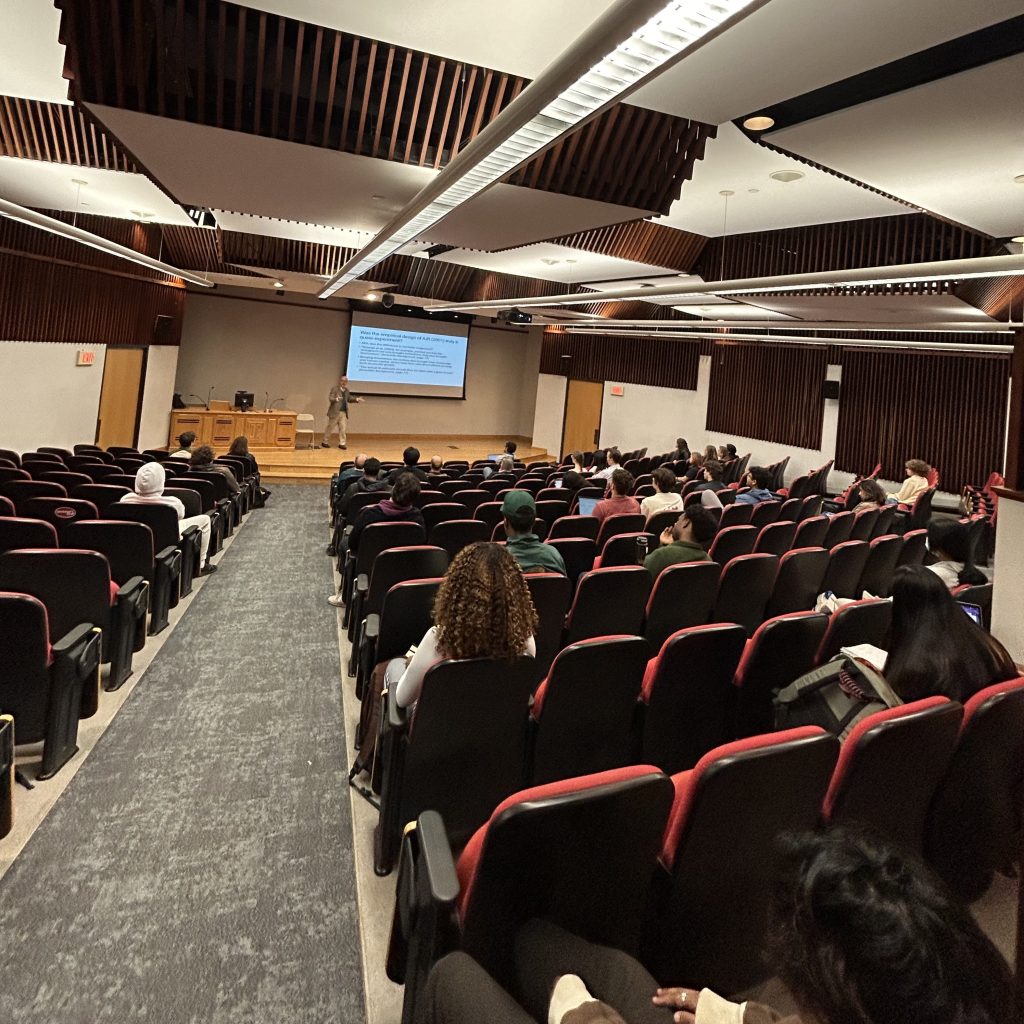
(642,545)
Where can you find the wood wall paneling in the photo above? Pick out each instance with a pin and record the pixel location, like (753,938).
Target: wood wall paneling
(949,410)
(771,392)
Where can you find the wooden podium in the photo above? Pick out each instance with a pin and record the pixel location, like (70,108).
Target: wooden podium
(219,427)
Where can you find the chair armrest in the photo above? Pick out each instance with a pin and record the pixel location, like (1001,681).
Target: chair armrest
(362,583)
(131,589)
(398,718)
(371,627)
(437,860)
(75,642)
(190,532)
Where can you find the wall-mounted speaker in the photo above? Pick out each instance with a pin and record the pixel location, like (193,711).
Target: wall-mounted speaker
(163,330)
(830,389)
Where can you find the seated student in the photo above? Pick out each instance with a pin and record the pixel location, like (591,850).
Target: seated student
(758,479)
(949,543)
(599,464)
(713,472)
(916,482)
(240,449)
(620,501)
(666,497)
(185,442)
(683,542)
(577,464)
(506,464)
(727,453)
(869,494)
(411,458)
(935,649)
(150,482)
(572,482)
(202,458)
(396,509)
(483,610)
(695,468)
(519,512)
(510,448)
(369,482)
(710,453)
(349,475)
(682,450)
(436,464)
(860,933)
(614,461)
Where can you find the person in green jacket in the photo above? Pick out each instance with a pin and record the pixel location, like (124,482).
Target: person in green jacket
(519,511)
(683,542)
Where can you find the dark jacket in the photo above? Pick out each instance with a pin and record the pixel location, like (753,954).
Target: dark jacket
(363,485)
(383,512)
(415,470)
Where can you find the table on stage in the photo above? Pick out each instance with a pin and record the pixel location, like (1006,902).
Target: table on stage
(219,427)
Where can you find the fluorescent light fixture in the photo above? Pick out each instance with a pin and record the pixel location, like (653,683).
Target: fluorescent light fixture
(631,42)
(934,346)
(34,219)
(608,326)
(907,273)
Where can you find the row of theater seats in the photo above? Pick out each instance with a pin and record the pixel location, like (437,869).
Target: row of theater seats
(78,580)
(678,870)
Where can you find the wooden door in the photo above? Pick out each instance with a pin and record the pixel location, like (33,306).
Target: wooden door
(582,426)
(121,396)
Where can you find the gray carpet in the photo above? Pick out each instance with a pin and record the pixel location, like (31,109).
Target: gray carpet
(199,866)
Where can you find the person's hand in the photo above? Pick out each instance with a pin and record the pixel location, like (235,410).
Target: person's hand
(682,1000)
(666,535)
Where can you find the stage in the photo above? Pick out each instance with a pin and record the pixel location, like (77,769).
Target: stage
(320,463)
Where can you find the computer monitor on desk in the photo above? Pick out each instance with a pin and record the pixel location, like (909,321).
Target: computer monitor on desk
(244,400)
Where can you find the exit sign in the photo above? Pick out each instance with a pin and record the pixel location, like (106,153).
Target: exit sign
(86,358)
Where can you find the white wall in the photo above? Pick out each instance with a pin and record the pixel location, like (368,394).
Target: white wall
(549,412)
(45,399)
(158,390)
(297,351)
(1008,589)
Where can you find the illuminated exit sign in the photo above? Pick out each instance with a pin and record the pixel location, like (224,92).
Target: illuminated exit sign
(85,357)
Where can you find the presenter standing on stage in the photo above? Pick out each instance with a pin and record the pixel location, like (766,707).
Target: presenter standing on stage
(337,413)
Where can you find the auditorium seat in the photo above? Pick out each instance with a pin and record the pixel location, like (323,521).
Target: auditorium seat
(799,581)
(864,523)
(973,826)
(744,589)
(101,495)
(623,522)
(66,479)
(41,684)
(551,510)
(101,473)
(811,532)
(489,512)
(721,857)
(391,566)
(169,560)
(845,568)
(578,553)
(551,594)
(592,843)
(683,596)
(608,602)
(47,460)
(455,534)
(16,532)
(466,753)
(883,556)
(585,709)
(733,541)
(764,513)
(21,490)
(6,506)
(790,510)
(840,526)
(861,622)
(781,650)
(872,786)
(75,586)
(574,526)
(10,455)
(919,515)
(775,538)
(660,522)
(687,693)
(375,538)
(472,498)
(7,474)
(621,549)
(914,548)
(736,515)
(442,512)
(61,512)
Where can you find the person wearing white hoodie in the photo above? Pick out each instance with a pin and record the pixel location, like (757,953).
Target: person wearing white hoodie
(150,481)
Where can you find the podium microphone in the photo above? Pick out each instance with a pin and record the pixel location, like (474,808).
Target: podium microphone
(213,387)
(266,401)
(275,401)
(198,399)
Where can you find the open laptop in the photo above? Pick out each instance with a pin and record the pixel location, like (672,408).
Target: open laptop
(974,611)
(587,506)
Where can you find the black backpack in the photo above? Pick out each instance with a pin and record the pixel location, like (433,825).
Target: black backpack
(835,696)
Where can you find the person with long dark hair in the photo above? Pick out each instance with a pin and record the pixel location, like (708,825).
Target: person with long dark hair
(870,494)
(950,542)
(935,649)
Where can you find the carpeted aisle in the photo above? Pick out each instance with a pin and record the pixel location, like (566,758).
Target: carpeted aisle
(199,866)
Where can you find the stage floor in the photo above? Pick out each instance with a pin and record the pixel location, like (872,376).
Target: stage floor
(319,463)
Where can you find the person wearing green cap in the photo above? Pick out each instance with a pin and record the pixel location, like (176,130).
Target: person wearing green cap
(524,545)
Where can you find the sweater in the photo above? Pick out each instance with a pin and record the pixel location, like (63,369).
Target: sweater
(616,506)
(673,554)
(912,487)
(661,503)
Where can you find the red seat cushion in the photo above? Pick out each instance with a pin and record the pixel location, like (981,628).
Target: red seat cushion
(114,588)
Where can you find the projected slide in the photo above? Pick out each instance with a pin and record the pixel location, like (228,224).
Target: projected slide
(400,356)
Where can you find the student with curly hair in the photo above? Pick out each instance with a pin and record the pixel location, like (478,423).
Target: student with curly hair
(483,610)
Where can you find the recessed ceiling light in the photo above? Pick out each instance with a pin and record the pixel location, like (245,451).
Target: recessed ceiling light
(1019,180)
(373,296)
(1019,238)
(759,123)
(549,261)
(727,192)
(753,190)
(79,181)
(279,284)
(789,175)
(378,198)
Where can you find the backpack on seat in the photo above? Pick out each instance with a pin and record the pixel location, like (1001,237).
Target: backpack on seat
(834,696)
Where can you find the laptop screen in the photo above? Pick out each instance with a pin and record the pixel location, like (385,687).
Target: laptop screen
(587,506)
(974,611)
(557,482)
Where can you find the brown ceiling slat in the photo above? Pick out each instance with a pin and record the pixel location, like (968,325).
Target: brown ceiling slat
(465,103)
(332,83)
(349,89)
(424,64)
(314,84)
(442,140)
(379,120)
(396,114)
(364,106)
(425,145)
(474,130)
(296,74)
